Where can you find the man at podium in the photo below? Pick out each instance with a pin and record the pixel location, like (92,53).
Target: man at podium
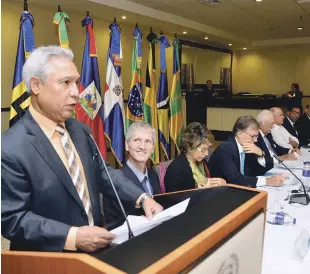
(50,170)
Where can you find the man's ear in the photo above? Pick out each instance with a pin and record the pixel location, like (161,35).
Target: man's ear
(35,85)
(126,146)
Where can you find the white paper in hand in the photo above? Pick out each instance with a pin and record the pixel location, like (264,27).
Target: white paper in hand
(140,224)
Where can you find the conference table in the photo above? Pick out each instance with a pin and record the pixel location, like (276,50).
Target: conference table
(279,255)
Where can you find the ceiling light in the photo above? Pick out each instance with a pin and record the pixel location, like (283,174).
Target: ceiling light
(244,48)
(206,38)
(300,28)
(230,45)
(124,17)
(184,32)
(259,0)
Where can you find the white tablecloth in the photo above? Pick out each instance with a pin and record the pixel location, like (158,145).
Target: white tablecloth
(278,255)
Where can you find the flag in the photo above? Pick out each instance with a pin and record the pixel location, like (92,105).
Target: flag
(20,96)
(135,104)
(149,106)
(114,115)
(60,19)
(163,99)
(89,109)
(176,120)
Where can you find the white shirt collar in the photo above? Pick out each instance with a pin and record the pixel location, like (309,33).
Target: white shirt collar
(262,133)
(137,172)
(240,148)
(291,122)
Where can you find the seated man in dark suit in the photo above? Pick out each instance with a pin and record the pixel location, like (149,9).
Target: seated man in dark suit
(231,159)
(140,141)
(303,127)
(51,175)
(265,142)
(290,120)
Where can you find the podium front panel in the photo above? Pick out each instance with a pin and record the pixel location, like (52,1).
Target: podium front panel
(241,253)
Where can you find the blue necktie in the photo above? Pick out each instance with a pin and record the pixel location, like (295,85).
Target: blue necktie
(242,154)
(145,186)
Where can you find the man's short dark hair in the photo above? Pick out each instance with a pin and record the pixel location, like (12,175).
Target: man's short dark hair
(209,81)
(245,122)
(290,107)
(307,106)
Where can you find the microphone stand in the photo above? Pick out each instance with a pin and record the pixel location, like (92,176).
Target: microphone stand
(303,186)
(130,233)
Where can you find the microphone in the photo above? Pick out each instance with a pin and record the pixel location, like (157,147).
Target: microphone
(303,186)
(130,233)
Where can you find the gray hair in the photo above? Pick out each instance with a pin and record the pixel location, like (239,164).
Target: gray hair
(139,125)
(264,115)
(243,123)
(37,63)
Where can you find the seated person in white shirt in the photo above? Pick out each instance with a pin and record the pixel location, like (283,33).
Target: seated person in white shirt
(279,134)
(139,143)
(265,142)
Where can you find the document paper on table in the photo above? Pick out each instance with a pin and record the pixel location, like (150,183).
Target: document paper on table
(140,224)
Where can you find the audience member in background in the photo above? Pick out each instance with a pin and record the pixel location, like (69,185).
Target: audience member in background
(294,95)
(231,159)
(140,141)
(189,170)
(209,91)
(266,143)
(280,134)
(303,127)
(293,114)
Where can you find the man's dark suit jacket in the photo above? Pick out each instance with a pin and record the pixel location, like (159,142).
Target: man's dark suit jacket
(303,128)
(112,211)
(290,128)
(179,175)
(225,163)
(278,149)
(39,201)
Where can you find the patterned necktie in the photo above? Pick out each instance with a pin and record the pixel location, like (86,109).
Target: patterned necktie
(75,173)
(145,187)
(242,154)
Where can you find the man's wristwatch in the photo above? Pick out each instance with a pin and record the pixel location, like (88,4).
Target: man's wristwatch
(142,198)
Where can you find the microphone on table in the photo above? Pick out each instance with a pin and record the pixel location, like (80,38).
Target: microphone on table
(88,132)
(303,186)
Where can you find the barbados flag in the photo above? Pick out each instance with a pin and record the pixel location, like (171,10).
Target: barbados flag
(163,99)
(89,109)
(176,119)
(149,106)
(134,110)
(114,114)
(20,96)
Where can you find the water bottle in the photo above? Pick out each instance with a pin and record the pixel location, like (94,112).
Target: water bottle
(306,175)
(280,218)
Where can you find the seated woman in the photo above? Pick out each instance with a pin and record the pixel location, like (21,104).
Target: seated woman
(189,169)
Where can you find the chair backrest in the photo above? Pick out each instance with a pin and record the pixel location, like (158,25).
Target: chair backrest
(161,169)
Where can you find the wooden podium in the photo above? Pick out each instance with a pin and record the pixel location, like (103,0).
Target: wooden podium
(215,234)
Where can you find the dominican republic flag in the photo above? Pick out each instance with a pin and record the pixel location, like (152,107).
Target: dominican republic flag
(89,110)
(163,99)
(114,114)
(20,97)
